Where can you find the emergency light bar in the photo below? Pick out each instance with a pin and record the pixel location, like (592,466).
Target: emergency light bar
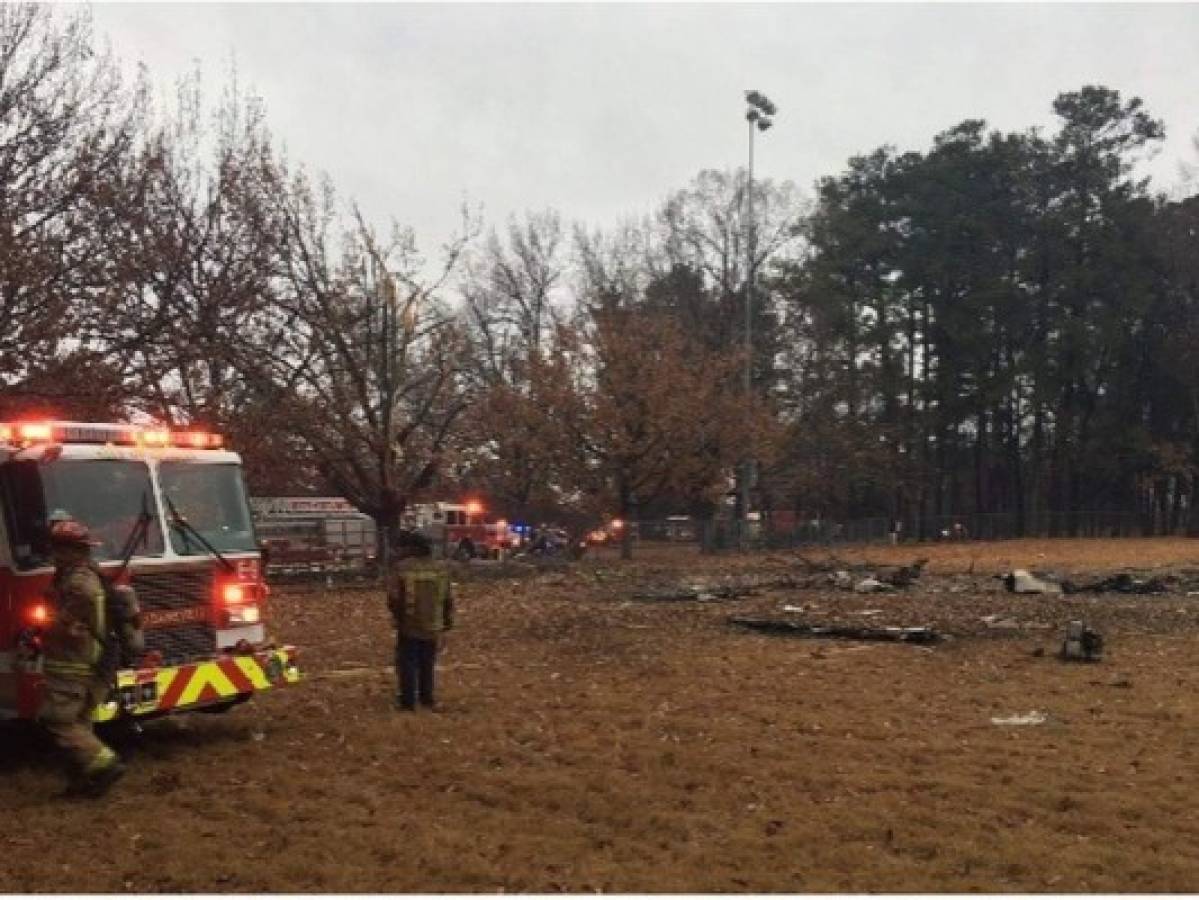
(25,433)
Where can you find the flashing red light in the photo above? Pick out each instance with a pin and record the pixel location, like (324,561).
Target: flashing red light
(617,524)
(474,507)
(233,593)
(156,438)
(38,614)
(198,439)
(46,432)
(35,431)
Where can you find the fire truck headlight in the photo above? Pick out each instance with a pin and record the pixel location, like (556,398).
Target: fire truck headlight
(244,615)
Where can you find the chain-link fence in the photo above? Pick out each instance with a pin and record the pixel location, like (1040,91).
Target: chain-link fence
(729,535)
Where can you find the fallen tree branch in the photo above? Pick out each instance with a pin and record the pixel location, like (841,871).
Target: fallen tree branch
(842,632)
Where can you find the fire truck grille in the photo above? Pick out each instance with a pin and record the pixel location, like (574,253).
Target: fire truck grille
(168,591)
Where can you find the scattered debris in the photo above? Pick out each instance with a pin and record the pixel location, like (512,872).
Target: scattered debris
(1122,583)
(872,586)
(1032,717)
(905,575)
(1021,581)
(922,635)
(695,593)
(842,579)
(863,577)
(999,623)
(1082,644)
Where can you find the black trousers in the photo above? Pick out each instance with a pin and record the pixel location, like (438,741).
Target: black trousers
(415,659)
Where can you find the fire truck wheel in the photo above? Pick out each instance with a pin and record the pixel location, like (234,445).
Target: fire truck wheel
(466,549)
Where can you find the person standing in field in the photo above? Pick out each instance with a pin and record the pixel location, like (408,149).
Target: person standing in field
(73,661)
(421,601)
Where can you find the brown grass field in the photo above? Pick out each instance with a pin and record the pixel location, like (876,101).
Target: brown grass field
(592,742)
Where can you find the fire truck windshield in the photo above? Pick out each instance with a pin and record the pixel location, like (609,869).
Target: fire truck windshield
(212,499)
(109,496)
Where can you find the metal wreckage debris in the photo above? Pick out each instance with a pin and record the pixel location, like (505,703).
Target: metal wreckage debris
(1021,581)
(1082,643)
(1122,583)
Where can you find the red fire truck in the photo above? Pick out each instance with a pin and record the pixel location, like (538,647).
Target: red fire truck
(461,529)
(179,498)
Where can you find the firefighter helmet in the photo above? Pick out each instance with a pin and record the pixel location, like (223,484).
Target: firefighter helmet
(71,533)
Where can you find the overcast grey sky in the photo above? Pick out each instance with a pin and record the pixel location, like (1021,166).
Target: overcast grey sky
(599,111)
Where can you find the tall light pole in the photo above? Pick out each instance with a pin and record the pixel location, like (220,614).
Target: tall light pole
(759,114)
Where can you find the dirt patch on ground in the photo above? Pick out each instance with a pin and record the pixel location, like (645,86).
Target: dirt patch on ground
(591,741)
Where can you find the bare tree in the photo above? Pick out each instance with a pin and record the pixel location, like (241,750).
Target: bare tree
(199,256)
(68,124)
(363,363)
(509,293)
(704,226)
(512,298)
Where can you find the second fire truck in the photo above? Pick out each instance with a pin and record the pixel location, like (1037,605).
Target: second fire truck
(461,529)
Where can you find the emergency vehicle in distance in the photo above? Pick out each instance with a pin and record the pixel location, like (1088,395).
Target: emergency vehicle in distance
(313,532)
(195,567)
(461,528)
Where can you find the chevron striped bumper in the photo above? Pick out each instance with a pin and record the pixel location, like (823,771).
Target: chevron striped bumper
(155,692)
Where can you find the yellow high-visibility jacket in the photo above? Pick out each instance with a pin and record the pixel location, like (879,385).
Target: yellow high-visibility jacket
(72,646)
(421,601)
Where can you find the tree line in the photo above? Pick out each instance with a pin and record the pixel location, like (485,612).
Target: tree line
(1006,323)
(1001,323)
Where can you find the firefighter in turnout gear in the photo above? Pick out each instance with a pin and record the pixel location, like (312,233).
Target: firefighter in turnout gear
(421,601)
(72,661)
